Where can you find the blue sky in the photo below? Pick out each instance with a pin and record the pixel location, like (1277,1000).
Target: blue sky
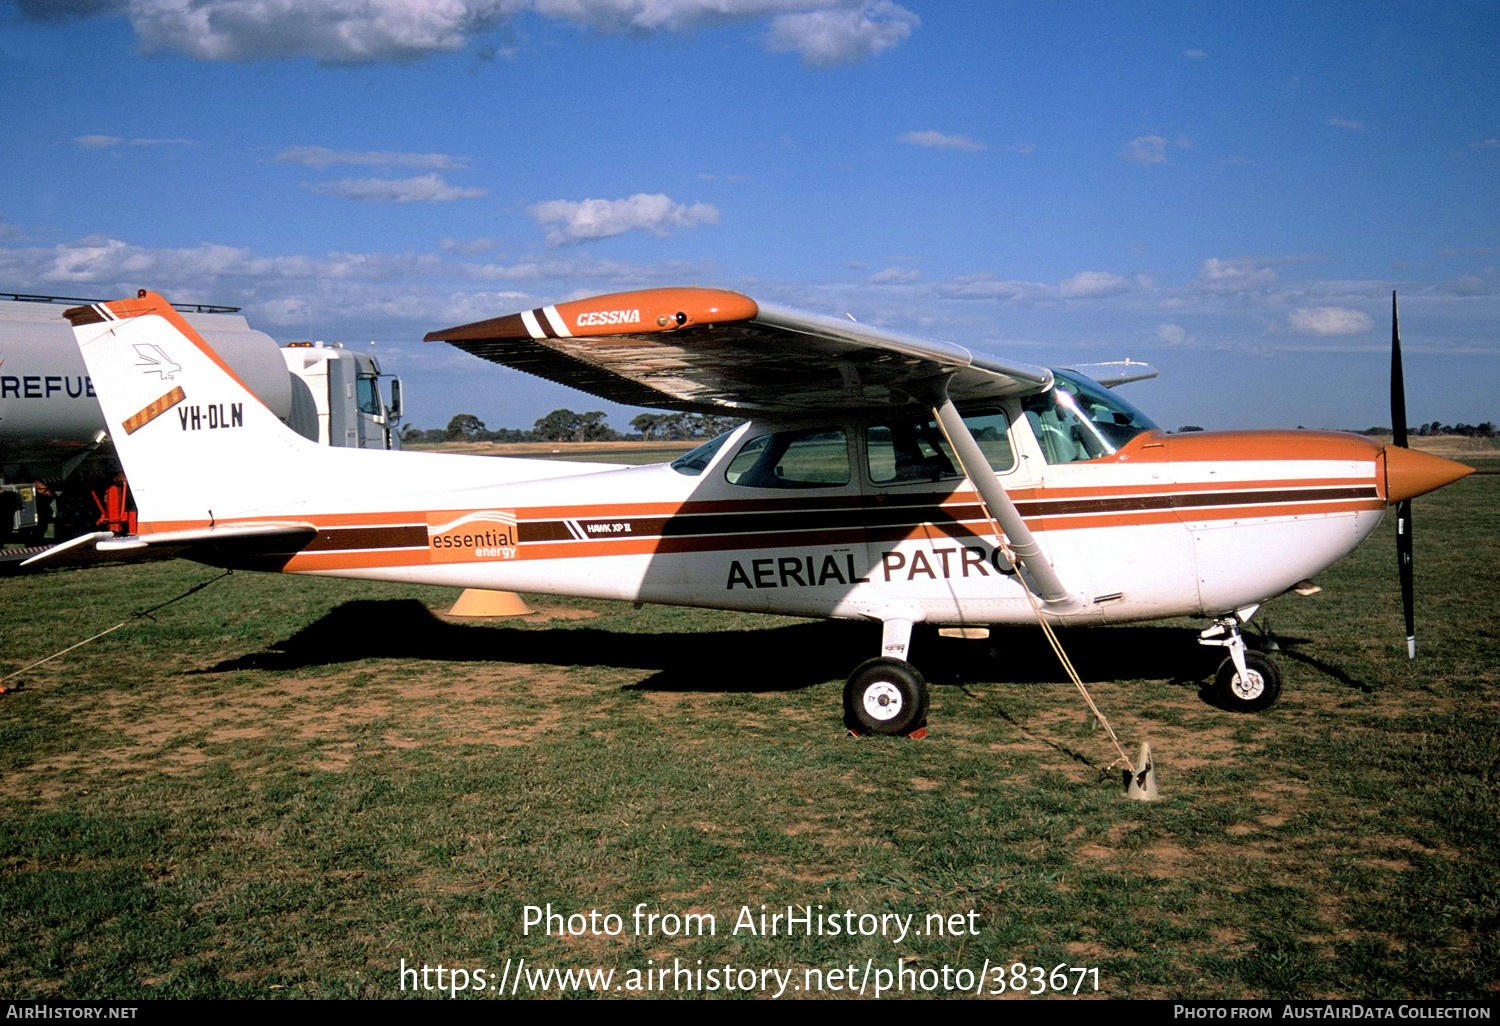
(1229,192)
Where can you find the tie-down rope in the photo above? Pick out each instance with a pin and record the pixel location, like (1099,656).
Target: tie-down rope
(1041,619)
(133,616)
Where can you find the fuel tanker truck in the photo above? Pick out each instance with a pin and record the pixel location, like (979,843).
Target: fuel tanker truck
(59,476)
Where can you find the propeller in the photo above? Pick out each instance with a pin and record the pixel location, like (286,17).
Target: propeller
(1403,508)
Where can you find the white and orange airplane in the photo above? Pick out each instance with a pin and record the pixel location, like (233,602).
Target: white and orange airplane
(877,477)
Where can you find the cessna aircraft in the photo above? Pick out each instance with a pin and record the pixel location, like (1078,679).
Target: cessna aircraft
(877,477)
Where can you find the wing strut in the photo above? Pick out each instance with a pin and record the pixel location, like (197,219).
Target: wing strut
(1044,583)
(1048,586)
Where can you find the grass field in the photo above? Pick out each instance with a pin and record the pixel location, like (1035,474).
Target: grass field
(285,787)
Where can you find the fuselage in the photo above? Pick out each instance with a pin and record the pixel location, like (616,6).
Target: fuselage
(857,516)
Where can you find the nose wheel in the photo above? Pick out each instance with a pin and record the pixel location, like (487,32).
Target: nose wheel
(1255,688)
(1247,681)
(885,696)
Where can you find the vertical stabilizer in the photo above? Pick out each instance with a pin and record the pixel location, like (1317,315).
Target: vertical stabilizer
(195,442)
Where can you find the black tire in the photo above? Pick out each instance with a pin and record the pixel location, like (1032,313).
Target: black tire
(1260,691)
(885,696)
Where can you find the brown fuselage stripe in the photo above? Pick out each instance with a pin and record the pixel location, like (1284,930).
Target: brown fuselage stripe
(867,518)
(368,538)
(404,544)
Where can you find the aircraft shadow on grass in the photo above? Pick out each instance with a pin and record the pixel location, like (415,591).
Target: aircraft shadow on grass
(786,658)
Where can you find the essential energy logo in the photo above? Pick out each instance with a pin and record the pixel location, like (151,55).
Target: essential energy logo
(482,535)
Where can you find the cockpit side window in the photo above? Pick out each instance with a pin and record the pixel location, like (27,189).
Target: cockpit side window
(914,448)
(817,458)
(1078,420)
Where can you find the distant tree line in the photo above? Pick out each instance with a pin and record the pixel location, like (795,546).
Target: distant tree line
(1485,430)
(671,427)
(567,426)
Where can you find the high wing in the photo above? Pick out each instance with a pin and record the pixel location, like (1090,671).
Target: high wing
(715,351)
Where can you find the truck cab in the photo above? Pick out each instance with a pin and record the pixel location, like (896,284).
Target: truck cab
(337,399)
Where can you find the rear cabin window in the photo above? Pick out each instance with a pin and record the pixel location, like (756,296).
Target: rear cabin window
(792,459)
(914,449)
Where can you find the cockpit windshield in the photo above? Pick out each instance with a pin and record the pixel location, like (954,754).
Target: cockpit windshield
(1080,420)
(693,461)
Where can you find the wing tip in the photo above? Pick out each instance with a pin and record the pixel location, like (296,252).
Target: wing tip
(647,311)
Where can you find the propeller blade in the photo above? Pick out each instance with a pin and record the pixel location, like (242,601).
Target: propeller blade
(1398,382)
(1403,564)
(1403,508)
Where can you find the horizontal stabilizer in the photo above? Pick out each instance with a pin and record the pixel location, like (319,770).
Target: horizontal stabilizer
(67,546)
(242,533)
(1116,372)
(237,538)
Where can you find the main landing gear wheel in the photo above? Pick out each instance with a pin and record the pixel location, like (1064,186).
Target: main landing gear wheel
(1259,688)
(885,696)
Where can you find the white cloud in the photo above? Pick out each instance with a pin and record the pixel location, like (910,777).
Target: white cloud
(1353,126)
(1487,284)
(824,32)
(987,286)
(1145,149)
(570,221)
(896,276)
(1325,321)
(99,142)
(322,157)
(414,290)
(104,260)
(939,141)
(468,247)
(1025,149)
(1087,284)
(421,189)
(1235,275)
(332,31)
(666,15)
(1173,335)
(840,34)
(1195,55)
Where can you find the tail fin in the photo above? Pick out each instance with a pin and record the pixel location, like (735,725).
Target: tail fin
(196,443)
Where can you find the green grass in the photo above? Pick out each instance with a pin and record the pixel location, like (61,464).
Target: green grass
(283,787)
